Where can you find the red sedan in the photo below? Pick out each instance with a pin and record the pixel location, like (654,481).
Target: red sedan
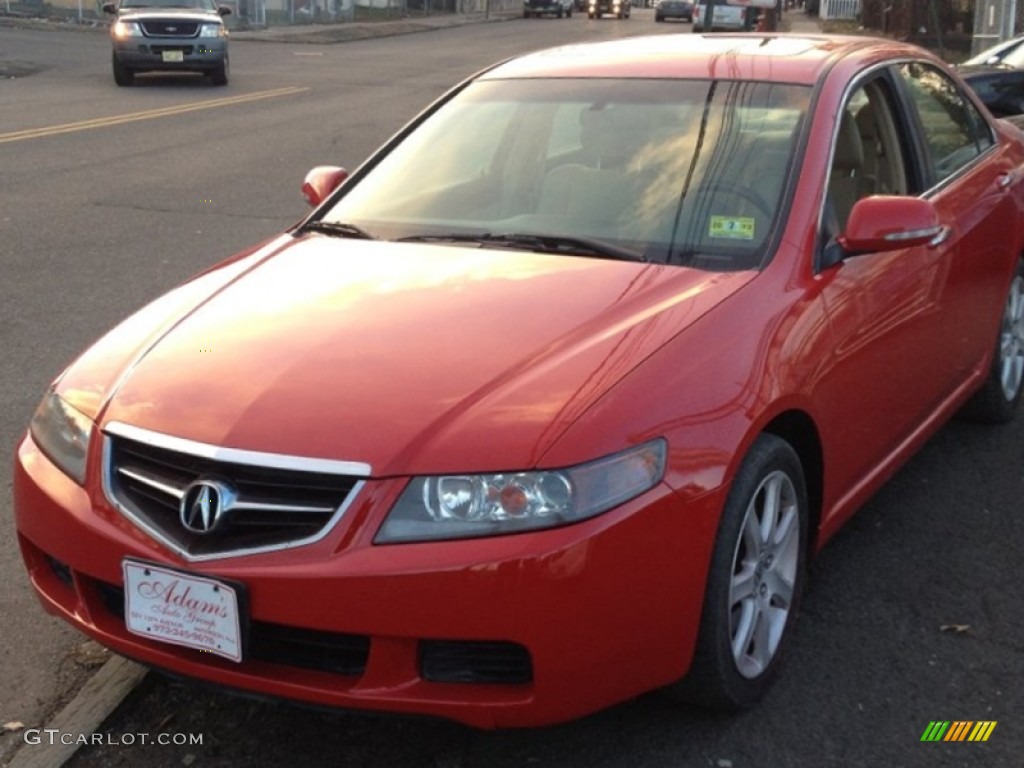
(549,402)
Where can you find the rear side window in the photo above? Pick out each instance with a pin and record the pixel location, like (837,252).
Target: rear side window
(954,132)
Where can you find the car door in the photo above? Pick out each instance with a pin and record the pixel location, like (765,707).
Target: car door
(969,175)
(888,370)
(911,327)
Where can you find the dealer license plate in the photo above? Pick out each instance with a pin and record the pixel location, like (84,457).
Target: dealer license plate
(174,56)
(181,608)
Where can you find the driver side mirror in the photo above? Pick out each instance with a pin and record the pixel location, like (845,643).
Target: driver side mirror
(888,223)
(110,8)
(223,10)
(883,223)
(321,182)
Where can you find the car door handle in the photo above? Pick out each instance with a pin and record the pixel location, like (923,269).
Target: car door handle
(1005,179)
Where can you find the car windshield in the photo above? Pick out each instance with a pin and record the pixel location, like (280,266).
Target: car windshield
(1014,57)
(203,5)
(1010,52)
(685,172)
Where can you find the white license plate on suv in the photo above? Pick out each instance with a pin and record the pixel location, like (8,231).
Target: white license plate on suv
(174,56)
(181,608)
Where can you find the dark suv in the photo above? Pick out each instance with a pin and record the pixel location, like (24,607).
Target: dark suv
(169,36)
(557,8)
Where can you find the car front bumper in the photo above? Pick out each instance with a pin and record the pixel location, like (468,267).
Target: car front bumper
(150,55)
(584,616)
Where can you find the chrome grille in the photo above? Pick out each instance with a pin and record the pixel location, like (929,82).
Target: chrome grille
(276,501)
(170,28)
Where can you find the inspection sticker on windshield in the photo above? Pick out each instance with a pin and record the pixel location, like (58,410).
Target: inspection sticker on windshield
(732,227)
(181,608)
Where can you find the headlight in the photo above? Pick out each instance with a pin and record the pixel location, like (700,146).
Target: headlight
(469,506)
(62,433)
(212,30)
(123,29)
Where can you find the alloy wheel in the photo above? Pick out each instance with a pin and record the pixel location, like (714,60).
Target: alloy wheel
(1011,341)
(764,573)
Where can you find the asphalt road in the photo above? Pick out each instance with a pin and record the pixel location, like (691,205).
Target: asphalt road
(97,218)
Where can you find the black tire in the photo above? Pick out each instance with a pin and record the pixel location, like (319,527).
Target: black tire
(122,75)
(996,402)
(591,15)
(774,568)
(658,17)
(526,14)
(219,75)
(568,13)
(559,13)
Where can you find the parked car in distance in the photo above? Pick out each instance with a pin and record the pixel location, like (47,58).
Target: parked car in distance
(620,9)
(557,8)
(168,36)
(551,401)
(725,18)
(1009,52)
(673,9)
(997,76)
(1000,87)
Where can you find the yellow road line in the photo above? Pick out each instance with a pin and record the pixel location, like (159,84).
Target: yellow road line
(149,114)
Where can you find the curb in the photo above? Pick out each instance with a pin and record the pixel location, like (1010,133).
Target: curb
(82,716)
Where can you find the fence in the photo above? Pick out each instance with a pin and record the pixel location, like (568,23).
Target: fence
(840,9)
(261,13)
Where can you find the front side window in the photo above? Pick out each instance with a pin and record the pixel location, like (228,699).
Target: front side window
(868,156)
(678,172)
(954,131)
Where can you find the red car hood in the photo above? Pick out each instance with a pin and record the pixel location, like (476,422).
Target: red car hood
(411,358)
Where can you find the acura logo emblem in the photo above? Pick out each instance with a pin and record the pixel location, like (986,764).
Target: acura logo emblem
(205,505)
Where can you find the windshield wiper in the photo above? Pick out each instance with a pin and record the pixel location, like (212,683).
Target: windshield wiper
(576,246)
(338,229)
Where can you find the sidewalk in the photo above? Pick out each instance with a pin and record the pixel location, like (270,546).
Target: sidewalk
(348,31)
(317,34)
(344,32)
(799,23)
(794,21)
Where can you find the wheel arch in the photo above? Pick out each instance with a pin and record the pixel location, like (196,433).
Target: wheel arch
(798,429)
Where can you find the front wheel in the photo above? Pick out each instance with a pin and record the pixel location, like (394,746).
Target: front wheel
(219,75)
(755,580)
(122,75)
(996,402)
